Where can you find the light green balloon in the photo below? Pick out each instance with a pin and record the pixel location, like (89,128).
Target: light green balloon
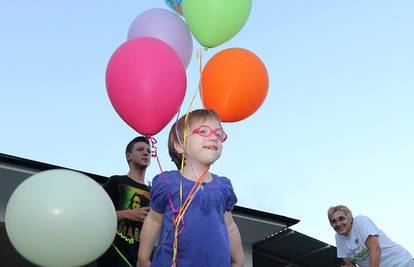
(60,218)
(213,22)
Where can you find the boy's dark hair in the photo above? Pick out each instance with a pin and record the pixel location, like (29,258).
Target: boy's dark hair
(137,139)
(177,130)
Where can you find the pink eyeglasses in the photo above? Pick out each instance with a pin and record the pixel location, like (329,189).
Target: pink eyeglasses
(206,131)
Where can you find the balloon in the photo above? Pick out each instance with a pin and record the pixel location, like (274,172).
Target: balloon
(175,5)
(146,83)
(166,26)
(60,218)
(214,22)
(234,83)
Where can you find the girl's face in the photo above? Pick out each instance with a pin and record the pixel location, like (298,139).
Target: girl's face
(205,143)
(341,222)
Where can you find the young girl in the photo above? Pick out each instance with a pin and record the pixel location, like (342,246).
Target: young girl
(191,210)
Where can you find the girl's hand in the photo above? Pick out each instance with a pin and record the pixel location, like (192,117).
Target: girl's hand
(143,263)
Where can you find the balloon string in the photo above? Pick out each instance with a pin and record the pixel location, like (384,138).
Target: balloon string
(164,177)
(177,226)
(176,128)
(200,58)
(190,196)
(179,215)
(122,256)
(154,154)
(179,218)
(200,69)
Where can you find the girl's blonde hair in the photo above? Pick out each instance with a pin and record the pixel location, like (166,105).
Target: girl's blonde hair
(177,130)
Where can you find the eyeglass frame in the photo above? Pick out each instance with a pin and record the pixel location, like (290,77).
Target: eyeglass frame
(221,139)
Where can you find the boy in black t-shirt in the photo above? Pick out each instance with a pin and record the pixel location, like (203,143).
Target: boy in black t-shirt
(130,196)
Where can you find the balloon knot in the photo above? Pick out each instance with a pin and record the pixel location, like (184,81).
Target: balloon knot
(152,141)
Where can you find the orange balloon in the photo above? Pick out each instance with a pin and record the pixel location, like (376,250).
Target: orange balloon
(234,83)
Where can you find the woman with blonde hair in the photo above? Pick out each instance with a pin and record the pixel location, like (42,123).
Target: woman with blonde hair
(360,241)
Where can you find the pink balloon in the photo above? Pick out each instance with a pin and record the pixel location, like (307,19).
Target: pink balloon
(146,83)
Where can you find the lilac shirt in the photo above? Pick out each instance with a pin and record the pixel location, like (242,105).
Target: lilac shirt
(204,240)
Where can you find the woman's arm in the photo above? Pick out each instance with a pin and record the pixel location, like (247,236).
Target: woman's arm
(374,250)
(236,248)
(348,263)
(148,236)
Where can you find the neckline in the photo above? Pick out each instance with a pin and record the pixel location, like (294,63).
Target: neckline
(141,183)
(213,178)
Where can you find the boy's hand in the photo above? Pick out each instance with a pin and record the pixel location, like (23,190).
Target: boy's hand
(139,214)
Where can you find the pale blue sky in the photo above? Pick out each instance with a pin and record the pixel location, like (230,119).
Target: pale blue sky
(336,127)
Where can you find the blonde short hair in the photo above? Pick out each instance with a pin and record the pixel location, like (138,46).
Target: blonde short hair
(336,208)
(177,130)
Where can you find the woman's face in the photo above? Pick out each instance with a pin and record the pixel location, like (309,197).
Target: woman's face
(341,222)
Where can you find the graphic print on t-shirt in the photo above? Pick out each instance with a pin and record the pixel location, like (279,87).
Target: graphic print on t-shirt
(131,198)
(357,253)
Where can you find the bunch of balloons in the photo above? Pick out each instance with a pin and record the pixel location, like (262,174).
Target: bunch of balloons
(146,79)
(235,81)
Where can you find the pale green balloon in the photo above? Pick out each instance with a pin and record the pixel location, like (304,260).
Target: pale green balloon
(60,218)
(213,22)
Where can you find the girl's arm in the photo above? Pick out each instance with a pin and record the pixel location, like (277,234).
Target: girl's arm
(236,249)
(148,236)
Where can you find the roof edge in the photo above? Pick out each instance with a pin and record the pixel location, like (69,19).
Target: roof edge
(41,166)
(267,215)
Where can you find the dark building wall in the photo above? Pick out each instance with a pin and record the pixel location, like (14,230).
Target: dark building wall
(9,257)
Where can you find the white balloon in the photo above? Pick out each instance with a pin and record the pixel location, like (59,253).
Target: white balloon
(60,218)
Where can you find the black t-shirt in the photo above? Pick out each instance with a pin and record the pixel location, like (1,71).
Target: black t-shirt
(127,194)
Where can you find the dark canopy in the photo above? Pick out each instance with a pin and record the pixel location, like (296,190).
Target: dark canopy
(290,248)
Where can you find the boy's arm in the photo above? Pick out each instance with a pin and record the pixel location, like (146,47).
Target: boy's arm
(148,236)
(236,249)
(137,215)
